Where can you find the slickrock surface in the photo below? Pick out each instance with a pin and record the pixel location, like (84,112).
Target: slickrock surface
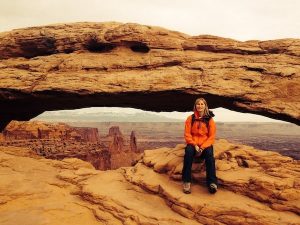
(67,66)
(256,187)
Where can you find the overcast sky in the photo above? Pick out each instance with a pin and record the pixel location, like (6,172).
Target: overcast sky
(221,114)
(237,19)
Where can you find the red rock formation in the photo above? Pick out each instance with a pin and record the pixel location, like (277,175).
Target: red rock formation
(59,141)
(116,140)
(101,160)
(133,143)
(123,150)
(130,65)
(42,130)
(114,131)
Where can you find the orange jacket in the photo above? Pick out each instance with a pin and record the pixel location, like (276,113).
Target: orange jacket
(199,134)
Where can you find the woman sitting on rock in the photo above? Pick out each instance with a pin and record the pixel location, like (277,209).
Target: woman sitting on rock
(200,131)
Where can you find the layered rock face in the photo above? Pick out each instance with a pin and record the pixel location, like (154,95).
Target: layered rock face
(256,187)
(59,141)
(41,130)
(69,66)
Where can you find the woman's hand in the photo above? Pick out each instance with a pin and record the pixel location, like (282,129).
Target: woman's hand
(198,149)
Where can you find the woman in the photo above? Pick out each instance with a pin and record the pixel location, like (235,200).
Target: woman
(200,131)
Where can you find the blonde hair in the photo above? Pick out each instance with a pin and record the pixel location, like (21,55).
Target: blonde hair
(206,110)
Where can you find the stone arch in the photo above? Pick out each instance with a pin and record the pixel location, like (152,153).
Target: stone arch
(150,68)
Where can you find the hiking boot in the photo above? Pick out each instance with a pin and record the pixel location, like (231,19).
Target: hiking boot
(212,188)
(187,188)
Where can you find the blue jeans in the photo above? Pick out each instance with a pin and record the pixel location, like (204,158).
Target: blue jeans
(208,155)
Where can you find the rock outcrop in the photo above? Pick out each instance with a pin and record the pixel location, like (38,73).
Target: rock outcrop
(17,130)
(133,143)
(116,140)
(68,66)
(59,141)
(123,150)
(256,187)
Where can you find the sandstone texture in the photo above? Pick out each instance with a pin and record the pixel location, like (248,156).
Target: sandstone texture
(256,187)
(68,66)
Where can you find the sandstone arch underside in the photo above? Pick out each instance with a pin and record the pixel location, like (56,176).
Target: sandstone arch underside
(69,66)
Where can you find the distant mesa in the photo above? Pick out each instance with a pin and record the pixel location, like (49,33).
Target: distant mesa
(118,115)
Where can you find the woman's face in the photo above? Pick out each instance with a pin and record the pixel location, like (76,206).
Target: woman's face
(200,106)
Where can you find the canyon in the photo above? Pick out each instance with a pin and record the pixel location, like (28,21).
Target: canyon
(59,141)
(279,137)
(106,147)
